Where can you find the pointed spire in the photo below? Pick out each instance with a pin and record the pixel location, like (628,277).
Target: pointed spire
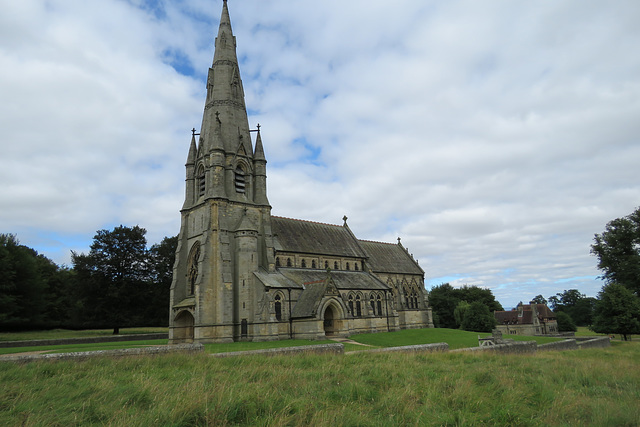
(225,42)
(259,152)
(191,157)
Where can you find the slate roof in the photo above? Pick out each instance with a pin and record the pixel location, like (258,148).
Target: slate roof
(390,258)
(308,302)
(294,235)
(276,280)
(511,317)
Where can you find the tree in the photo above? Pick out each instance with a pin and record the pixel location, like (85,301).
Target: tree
(617,311)
(443,303)
(478,318)
(161,259)
(618,251)
(578,306)
(460,311)
(114,277)
(565,322)
(539,299)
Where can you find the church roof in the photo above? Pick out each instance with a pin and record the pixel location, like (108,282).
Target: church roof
(345,280)
(390,258)
(309,300)
(294,235)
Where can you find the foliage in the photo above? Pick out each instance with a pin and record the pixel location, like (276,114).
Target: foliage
(565,322)
(460,311)
(161,260)
(478,318)
(617,311)
(589,387)
(445,298)
(539,299)
(618,251)
(577,305)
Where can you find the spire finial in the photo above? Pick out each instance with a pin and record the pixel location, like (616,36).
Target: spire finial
(345,218)
(399,241)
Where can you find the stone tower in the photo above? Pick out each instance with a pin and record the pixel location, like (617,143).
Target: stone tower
(225,234)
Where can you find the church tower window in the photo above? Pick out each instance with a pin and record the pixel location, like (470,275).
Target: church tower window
(241,184)
(201,182)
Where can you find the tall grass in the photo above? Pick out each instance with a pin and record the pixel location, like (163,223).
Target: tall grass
(584,387)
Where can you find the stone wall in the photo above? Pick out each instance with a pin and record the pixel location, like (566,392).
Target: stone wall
(308,349)
(600,342)
(422,348)
(87,340)
(143,351)
(516,347)
(559,346)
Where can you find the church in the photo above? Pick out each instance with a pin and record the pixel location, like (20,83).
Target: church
(241,274)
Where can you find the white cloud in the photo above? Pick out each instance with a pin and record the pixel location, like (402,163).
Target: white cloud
(495,138)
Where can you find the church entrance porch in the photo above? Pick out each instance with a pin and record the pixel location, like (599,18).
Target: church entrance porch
(329,324)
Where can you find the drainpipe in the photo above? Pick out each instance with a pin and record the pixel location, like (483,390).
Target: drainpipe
(290,319)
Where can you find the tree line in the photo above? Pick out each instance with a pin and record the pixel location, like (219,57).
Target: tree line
(118,283)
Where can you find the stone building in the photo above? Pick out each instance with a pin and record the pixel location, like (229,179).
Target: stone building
(242,274)
(529,319)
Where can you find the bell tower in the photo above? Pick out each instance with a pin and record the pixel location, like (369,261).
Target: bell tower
(225,233)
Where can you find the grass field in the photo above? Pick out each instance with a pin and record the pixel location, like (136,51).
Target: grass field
(66,333)
(584,387)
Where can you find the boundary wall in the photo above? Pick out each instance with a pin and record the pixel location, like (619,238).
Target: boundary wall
(86,340)
(293,351)
(421,348)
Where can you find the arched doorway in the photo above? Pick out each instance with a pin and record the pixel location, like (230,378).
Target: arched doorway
(329,321)
(183,329)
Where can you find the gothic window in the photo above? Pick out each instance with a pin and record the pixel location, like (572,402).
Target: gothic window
(358,306)
(240,180)
(278,262)
(326,264)
(313,263)
(355,266)
(351,305)
(379,304)
(201,181)
(192,268)
(278,307)
(335,265)
(288,262)
(372,302)
(304,264)
(347,266)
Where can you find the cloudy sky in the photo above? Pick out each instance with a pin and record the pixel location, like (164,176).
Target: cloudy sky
(494,137)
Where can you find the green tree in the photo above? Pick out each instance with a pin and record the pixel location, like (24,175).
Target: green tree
(161,259)
(21,284)
(478,318)
(460,311)
(617,311)
(539,299)
(113,277)
(443,302)
(618,251)
(577,305)
(565,322)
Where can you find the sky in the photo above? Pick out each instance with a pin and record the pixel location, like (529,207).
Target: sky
(495,137)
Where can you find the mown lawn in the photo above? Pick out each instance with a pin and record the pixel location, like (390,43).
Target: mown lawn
(599,387)
(67,333)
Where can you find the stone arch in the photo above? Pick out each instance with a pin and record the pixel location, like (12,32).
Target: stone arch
(192,268)
(333,317)
(183,327)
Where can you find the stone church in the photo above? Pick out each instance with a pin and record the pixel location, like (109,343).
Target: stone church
(242,274)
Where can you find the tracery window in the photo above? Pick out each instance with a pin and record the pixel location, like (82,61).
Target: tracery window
(351,305)
(379,304)
(358,306)
(372,302)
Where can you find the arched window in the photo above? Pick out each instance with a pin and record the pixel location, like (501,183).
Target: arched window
(351,305)
(278,262)
(347,266)
(379,304)
(278,307)
(192,268)
(355,266)
(358,306)
(304,264)
(202,186)
(326,264)
(288,262)
(240,180)
(335,265)
(313,263)
(372,302)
